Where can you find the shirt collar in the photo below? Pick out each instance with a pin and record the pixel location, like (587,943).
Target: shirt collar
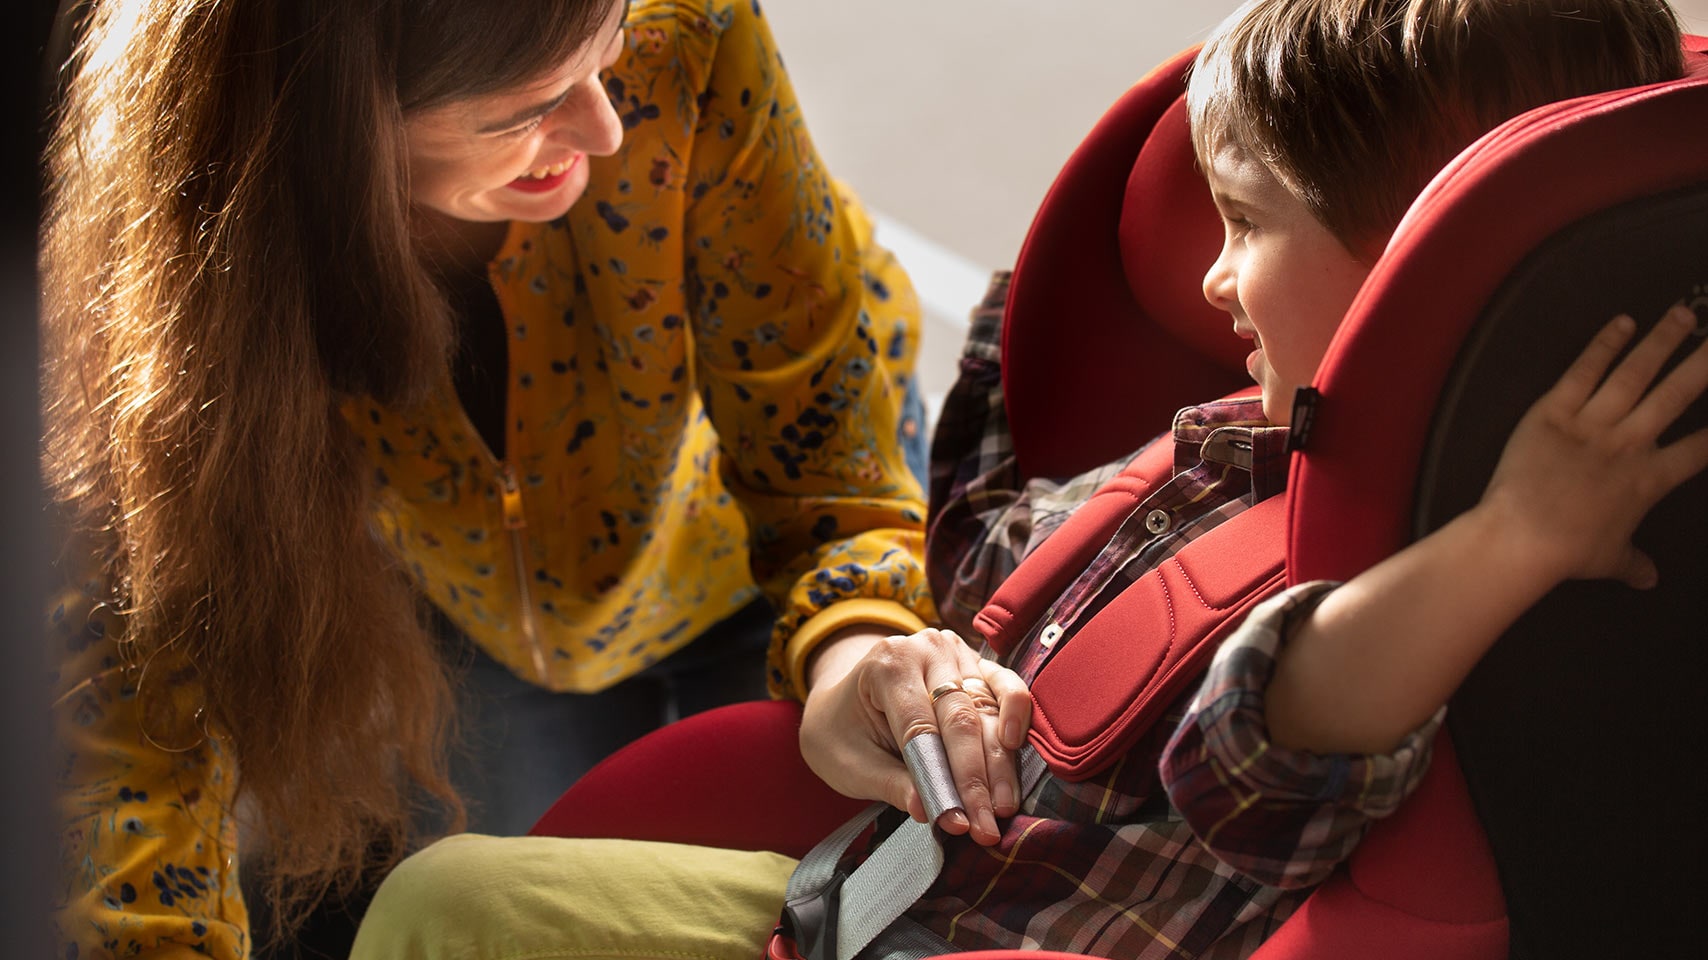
(1233,432)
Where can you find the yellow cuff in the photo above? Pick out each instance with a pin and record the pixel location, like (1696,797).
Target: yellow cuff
(879,613)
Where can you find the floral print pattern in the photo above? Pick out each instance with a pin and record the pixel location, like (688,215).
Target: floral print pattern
(707,365)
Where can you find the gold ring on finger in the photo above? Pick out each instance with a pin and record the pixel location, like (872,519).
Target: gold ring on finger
(944,689)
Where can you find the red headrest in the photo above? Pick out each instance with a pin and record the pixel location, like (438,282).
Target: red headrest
(1170,234)
(1491,206)
(1090,369)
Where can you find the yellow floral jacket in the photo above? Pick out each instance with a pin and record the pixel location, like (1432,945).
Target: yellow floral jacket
(706,368)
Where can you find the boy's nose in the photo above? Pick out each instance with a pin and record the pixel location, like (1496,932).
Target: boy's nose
(1219,283)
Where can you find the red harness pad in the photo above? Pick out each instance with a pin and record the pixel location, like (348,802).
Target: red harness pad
(1028,592)
(1116,674)
(1122,669)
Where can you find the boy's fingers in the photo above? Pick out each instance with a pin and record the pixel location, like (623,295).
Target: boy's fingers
(1005,706)
(1682,459)
(1678,389)
(1013,702)
(1639,570)
(1585,373)
(999,761)
(1628,381)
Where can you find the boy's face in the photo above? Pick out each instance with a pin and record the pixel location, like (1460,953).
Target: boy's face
(1284,278)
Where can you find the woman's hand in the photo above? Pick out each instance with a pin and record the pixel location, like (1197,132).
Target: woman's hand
(871,694)
(1583,467)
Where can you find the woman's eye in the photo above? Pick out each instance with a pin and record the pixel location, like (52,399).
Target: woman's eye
(525,128)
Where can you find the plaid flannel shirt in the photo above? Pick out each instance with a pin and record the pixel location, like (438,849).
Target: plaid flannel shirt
(1110,866)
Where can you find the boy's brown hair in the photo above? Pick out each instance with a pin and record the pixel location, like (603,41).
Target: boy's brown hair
(1355,105)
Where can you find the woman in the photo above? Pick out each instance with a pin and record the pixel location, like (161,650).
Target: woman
(557,323)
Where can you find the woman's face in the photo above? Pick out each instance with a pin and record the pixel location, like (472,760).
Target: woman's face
(520,153)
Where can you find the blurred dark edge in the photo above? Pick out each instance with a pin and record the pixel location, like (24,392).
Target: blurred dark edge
(26,833)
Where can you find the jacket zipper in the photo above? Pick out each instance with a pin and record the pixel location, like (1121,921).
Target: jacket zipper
(516,523)
(511,490)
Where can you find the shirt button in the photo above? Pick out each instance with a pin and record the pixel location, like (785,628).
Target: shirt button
(1158,522)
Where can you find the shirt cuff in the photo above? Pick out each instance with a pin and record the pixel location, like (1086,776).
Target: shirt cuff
(1232,709)
(844,613)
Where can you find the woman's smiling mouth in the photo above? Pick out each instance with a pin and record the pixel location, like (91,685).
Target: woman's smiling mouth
(541,179)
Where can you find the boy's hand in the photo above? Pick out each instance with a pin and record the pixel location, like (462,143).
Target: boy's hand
(1583,467)
(1381,654)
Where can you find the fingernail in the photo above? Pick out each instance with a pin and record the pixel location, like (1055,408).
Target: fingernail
(955,820)
(1011,733)
(987,826)
(1004,795)
(1683,314)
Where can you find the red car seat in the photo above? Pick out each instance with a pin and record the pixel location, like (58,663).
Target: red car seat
(1523,246)
(1578,734)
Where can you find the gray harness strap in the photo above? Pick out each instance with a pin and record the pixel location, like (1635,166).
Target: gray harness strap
(835,916)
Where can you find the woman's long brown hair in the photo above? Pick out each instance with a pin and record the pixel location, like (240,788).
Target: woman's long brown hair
(227,259)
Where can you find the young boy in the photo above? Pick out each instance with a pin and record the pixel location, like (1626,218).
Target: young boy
(1316,122)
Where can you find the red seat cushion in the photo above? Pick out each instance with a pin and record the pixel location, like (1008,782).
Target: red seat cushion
(731,777)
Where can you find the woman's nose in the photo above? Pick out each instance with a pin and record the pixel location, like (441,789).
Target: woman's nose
(590,123)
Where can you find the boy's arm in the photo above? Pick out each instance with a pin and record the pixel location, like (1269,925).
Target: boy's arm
(1318,714)
(1382,654)
(1281,817)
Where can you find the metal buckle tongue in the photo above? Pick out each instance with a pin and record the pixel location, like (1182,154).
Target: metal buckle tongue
(928,763)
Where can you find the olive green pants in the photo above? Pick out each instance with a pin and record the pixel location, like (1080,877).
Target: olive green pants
(472,897)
